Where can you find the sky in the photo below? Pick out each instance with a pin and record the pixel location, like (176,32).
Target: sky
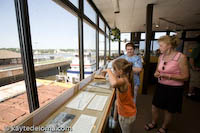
(52,27)
(8,26)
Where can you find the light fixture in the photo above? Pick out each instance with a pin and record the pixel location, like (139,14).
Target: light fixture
(116,6)
(157,26)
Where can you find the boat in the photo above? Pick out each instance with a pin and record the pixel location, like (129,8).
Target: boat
(73,74)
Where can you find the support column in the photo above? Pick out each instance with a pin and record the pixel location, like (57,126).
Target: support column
(23,24)
(97,43)
(105,44)
(149,16)
(183,36)
(119,50)
(80,36)
(109,44)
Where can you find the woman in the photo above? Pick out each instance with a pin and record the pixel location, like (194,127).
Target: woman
(122,79)
(171,71)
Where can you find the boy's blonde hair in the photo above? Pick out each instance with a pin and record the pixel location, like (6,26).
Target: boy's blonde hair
(126,67)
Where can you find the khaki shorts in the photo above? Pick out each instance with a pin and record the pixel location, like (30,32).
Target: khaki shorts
(194,78)
(126,123)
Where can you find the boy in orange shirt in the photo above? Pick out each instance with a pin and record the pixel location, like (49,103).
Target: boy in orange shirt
(122,79)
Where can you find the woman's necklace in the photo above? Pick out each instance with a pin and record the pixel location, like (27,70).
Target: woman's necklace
(169,57)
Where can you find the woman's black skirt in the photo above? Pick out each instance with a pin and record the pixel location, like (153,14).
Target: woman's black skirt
(169,98)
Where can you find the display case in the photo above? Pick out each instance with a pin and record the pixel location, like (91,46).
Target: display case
(82,108)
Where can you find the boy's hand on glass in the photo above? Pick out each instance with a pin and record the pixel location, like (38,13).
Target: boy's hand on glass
(103,72)
(96,76)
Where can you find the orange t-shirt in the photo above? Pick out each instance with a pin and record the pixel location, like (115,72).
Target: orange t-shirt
(125,105)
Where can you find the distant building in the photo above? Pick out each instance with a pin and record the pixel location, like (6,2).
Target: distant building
(9,57)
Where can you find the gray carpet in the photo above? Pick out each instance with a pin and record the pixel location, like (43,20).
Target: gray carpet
(186,122)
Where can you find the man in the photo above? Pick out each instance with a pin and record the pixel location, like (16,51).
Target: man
(137,68)
(137,65)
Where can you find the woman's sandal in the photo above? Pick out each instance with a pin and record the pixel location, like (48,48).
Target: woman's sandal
(164,129)
(148,126)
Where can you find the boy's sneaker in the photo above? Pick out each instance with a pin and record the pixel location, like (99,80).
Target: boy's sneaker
(114,123)
(110,122)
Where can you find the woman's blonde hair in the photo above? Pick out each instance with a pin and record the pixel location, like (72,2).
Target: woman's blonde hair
(126,67)
(174,41)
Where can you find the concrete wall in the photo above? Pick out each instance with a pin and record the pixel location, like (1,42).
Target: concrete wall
(16,74)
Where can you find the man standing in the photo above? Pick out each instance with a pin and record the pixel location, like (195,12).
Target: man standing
(137,66)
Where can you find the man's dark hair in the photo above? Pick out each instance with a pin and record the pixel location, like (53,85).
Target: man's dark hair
(130,44)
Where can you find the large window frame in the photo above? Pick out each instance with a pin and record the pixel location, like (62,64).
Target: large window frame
(27,47)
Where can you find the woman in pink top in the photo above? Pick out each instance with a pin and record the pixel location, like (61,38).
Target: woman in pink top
(172,71)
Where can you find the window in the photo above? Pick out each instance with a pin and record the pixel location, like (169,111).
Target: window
(75,2)
(101,24)
(125,38)
(114,49)
(89,50)
(101,49)
(191,34)
(155,46)
(107,46)
(142,45)
(13,97)
(143,36)
(107,31)
(89,11)
(159,34)
(55,47)
(172,33)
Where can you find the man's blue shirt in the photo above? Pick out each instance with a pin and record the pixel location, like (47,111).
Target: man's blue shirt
(136,60)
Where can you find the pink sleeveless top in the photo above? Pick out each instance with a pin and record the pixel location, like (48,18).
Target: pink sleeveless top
(171,67)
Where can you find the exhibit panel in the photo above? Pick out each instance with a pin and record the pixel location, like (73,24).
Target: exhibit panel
(87,111)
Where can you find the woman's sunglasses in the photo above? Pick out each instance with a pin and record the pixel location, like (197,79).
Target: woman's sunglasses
(163,68)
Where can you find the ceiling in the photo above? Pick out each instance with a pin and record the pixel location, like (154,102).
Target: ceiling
(132,16)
